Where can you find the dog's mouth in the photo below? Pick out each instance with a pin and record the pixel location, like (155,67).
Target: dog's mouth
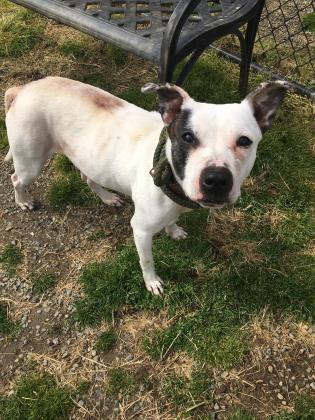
(213,204)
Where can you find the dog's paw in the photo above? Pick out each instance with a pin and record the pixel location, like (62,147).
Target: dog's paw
(154,286)
(27,205)
(114,201)
(176,232)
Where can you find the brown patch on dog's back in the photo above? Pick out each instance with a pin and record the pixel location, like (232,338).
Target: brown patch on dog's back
(103,99)
(97,96)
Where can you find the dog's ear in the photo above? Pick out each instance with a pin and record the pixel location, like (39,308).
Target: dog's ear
(265,101)
(170,97)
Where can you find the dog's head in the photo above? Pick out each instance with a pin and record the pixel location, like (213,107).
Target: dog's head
(213,147)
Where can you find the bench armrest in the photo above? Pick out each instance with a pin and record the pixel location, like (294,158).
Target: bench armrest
(171,34)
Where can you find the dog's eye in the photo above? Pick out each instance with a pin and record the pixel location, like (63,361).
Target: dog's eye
(244,142)
(188,138)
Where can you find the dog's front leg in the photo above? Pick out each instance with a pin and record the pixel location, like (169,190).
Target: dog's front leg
(143,241)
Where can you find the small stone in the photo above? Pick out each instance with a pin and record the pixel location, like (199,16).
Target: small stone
(280,396)
(9,227)
(55,341)
(93,353)
(81,403)
(270,369)
(312,385)
(283,402)
(216,406)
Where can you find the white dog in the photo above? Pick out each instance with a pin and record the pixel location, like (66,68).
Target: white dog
(210,148)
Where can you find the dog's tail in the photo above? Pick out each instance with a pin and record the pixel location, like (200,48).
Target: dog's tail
(10,96)
(8,156)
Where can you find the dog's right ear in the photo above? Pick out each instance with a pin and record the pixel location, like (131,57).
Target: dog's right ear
(170,97)
(265,101)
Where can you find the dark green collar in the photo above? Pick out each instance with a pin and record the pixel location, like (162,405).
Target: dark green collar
(164,178)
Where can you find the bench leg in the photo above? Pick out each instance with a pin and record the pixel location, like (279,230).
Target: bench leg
(247,47)
(166,73)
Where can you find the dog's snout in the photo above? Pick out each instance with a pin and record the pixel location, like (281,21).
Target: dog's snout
(216,182)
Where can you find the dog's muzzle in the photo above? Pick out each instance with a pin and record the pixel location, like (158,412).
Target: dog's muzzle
(216,183)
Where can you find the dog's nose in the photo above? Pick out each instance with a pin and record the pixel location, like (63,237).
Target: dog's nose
(216,181)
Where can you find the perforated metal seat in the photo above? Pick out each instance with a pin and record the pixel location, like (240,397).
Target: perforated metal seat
(161,31)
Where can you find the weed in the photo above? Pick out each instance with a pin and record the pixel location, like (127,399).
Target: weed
(63,164)
(81,388)
(74,49)
(3,136)
(36,397)
(309,22)
(119,56)
(6,326)
(304,409)
(241,415)
(100,234)
(120,381)
(194,393)
(106,341)
(10,257)
(42,282)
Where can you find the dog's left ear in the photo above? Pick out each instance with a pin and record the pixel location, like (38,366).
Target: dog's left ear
(170,97)
(265,101)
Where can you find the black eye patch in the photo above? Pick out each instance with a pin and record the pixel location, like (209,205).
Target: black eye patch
(183,140)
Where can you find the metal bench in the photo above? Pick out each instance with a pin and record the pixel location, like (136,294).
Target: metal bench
(161,31)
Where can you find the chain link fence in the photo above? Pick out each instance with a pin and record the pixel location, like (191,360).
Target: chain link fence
(285,44)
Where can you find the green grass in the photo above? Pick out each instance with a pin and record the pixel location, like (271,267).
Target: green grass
(3,136)
(7,327)
(10,257)
(106,341)
(42,282)
(36,397)
(120,381)
(20,31)
(70,190)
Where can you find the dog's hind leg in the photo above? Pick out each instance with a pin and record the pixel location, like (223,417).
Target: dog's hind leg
(106,196)
(176,232)
(25,173)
